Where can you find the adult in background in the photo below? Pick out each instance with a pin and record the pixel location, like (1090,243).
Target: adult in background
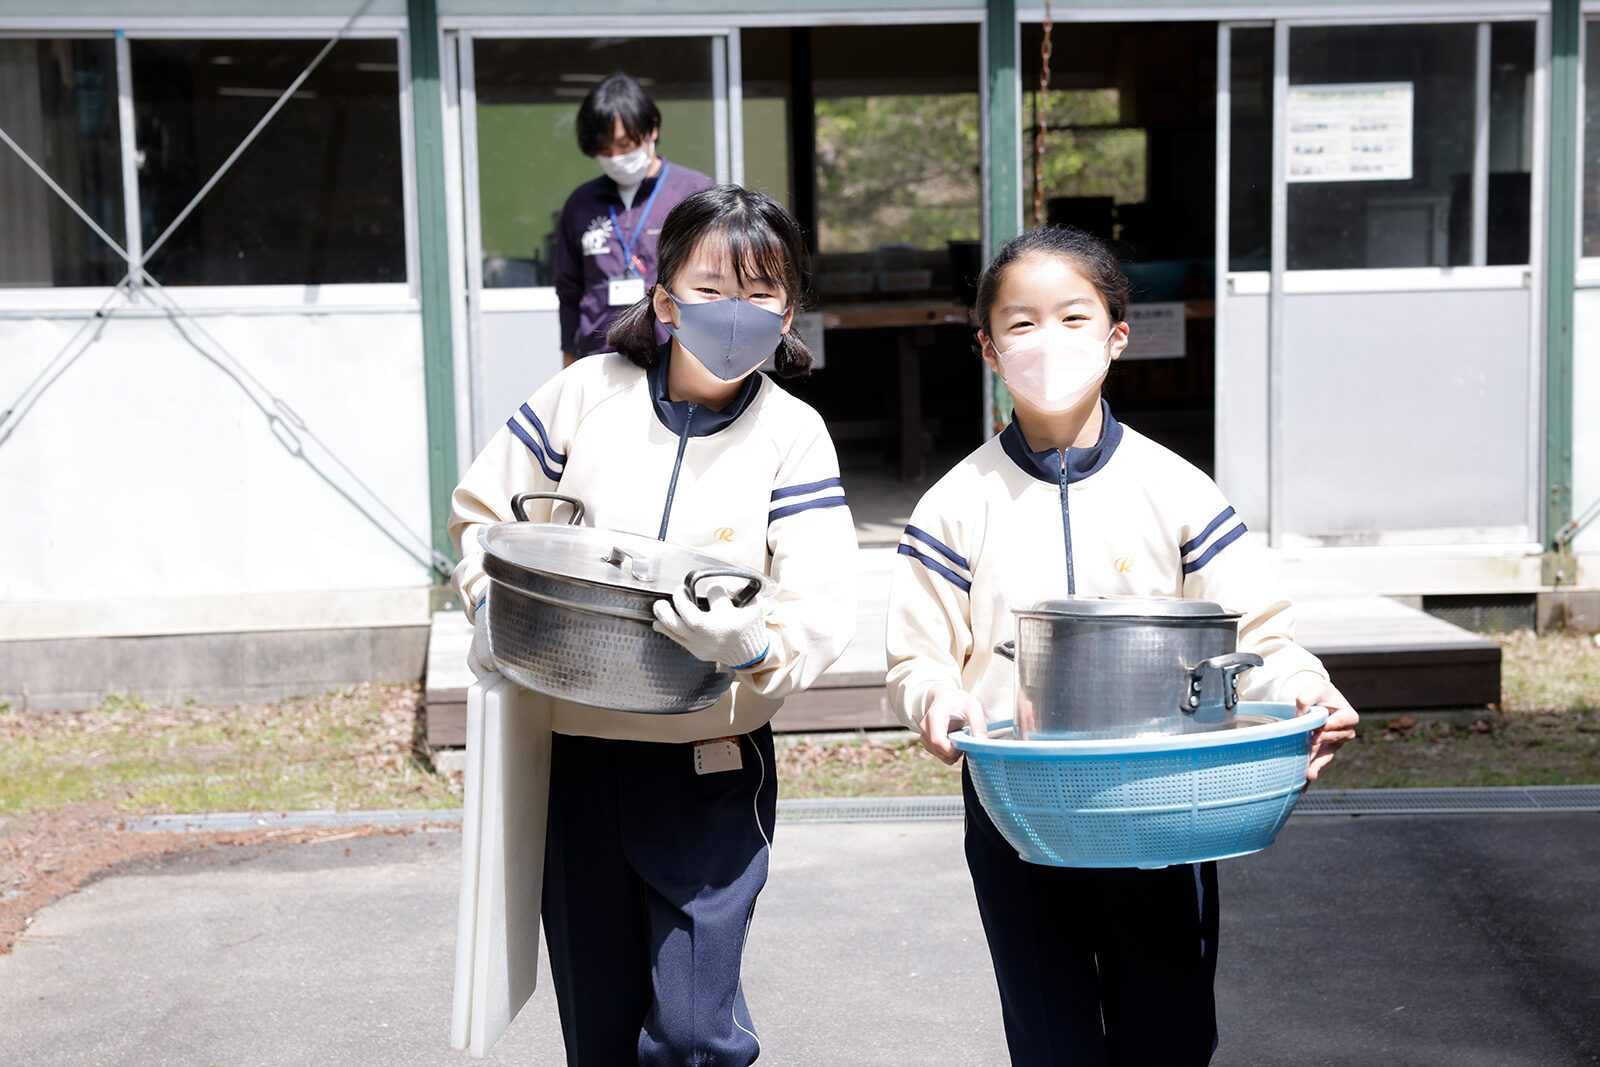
(606,238)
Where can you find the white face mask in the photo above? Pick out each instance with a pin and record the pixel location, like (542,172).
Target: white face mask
(630,167)
(1053,369)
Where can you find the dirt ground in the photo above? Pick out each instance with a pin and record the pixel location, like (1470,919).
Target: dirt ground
(47,855)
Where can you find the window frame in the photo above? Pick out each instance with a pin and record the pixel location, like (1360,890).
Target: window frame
(74,301)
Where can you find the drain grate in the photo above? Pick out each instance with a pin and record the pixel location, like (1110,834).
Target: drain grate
(871,809)
(223,821)
(1499,800)
(1496,800)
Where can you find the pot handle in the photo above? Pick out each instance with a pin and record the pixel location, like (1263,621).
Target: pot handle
(757,586)
(641,569)
(1230,667)
(519,501)
(1008,649)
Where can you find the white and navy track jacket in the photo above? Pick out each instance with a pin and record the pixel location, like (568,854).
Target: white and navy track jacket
(1009,527)
(756,484)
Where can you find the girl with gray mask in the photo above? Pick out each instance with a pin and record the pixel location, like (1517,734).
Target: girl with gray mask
(660,825)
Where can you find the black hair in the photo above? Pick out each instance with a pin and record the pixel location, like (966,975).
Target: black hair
(616,97)
(763,241)
(1087,254)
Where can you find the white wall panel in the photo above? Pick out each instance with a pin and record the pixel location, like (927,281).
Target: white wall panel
(1408,411)
(1586,412)
(521,351)
(146,470)
(1241,411)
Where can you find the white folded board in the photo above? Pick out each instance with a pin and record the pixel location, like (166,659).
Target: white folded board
(502,860)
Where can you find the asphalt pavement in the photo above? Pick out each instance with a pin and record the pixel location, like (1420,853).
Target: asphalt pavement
(1451,940)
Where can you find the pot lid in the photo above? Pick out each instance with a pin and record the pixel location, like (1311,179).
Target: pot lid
(1128,607)
(601,557)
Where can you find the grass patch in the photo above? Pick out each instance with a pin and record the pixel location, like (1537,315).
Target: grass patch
(355,748)
(1545,731)
(884,763)
(360,748)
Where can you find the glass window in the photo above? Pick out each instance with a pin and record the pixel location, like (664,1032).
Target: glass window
(1511,124)
(317,198)
(1129,145)
(897,143)
(766,58)
(1591,140)
(58,101)
(1250,150)
(1403,109)
(528,158)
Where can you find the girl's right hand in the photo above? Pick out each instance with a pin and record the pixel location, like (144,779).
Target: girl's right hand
(950,708)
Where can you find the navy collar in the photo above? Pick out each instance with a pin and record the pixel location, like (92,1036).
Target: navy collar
(675,413)
(1081,462)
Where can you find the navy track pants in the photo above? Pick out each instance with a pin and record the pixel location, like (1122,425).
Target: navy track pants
(651,876)
(1097,967)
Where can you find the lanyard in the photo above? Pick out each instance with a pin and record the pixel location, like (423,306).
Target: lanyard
(616,227)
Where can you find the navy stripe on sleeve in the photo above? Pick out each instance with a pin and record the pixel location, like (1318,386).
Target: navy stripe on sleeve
(526,438)
(795,509)
(1222,542)
(1189,546)
(945,550)
(528,414)
(937,567)
(802,490)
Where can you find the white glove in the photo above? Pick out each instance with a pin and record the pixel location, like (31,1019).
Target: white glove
(732,636)
(479,659)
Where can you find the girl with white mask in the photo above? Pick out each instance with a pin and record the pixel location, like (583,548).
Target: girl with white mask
(1094,966)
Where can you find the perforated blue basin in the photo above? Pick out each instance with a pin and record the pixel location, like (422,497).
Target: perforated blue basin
(1147,801)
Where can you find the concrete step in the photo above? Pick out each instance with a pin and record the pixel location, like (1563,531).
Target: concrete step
(1382,654)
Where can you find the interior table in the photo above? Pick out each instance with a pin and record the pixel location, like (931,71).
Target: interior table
(912,321)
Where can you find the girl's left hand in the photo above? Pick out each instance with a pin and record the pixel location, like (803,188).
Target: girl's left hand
(733,636)
(1340,727)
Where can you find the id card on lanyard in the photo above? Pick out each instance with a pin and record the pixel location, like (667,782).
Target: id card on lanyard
(629,289)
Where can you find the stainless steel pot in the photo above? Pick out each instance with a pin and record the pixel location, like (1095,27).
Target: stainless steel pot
(571,608)
(1125,666)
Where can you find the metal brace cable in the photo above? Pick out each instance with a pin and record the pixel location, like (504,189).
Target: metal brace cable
(281,414)
(288,426)
(1573,527)
(250,137)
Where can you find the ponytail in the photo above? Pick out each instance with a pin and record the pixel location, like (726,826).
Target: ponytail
(634,332)
(793,358)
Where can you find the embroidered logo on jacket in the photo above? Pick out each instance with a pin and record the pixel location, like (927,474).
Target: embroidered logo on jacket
(597,237)
(1124,564)
(725,534)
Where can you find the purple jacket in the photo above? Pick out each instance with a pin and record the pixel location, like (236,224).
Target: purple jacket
(589,254)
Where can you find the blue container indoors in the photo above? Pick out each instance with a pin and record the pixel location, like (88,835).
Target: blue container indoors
(1144,801)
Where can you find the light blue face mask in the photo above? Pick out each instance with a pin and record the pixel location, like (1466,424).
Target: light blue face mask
(729,337)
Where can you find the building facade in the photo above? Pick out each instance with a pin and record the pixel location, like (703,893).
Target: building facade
(271,273)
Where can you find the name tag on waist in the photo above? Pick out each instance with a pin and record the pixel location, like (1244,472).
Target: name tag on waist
(717,754)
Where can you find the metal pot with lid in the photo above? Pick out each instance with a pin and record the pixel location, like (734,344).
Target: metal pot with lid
(1122,666)
(571,609)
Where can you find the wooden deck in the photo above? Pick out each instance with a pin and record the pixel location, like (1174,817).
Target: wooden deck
(1382,654)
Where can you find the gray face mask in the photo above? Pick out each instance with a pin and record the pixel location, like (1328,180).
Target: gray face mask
(730,337)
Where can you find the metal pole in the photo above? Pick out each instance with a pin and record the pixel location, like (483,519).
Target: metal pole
(1566,24)
(438,363)
(1480,152)
(1002,144)
(1276,428)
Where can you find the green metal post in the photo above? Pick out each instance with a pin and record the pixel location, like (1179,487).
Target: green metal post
(1560,269)
(438,362)
(1002,137)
